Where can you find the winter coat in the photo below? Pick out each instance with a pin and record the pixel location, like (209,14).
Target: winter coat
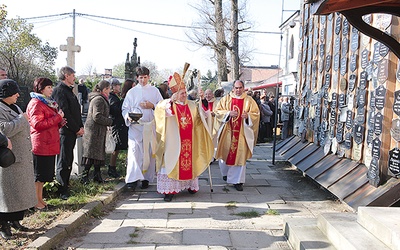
(17,182)
(44,122)
(96,124)
(119,129)
(266,113)
(285,111)
(69,104)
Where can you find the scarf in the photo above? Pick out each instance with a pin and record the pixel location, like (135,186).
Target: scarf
(46,100)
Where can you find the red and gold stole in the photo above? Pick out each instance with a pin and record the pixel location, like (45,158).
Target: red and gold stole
(210,106)
(236,125)
(185,124)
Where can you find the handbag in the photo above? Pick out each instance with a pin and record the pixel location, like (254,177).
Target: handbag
(7,157)
(110,142)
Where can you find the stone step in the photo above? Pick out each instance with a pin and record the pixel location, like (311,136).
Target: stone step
(382,222)
(303,233)
(344,232)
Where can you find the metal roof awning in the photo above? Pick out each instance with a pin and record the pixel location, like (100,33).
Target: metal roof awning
(265,85)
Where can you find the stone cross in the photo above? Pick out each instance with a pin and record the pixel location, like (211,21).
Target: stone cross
(71,48)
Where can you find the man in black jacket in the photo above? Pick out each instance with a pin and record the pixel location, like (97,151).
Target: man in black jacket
(68,102)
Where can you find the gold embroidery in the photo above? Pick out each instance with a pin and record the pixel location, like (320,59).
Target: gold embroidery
(185,119)
(186,161)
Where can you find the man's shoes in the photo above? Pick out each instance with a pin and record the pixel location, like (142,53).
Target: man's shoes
(224,178)
(112,172)
(132,185)
(97,177)
(5,231)
(17,226)
(168,197)
(191,191)
(145,184)
(239,186)
(64,196)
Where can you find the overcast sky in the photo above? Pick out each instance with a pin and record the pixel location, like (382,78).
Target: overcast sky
(105,43)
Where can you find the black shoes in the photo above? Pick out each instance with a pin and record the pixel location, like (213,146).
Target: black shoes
(191,191)
(85,177)
(132,185)
(64,196)
(224,178)
(17,226)
(5,231)
(168,197)
(112,172)
(145,184)
(97,177)
(239,186)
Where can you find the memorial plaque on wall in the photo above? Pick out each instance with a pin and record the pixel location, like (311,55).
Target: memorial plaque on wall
(327,147)
(342,100)
(333,117)
(345,47)
(352,82)
(350,101)
(371,118)
(373,172)
(376,56)
(354,41)
(348,140)
(394,162)
(359,134)
(372,100)
(349,119)
(396,103)
(336,62)
(346,27)
(320,68)
(383,50)
(334,145)
(310,25)
(376,148)
(365,40)
(361,97)
(343,84)
(380,94)
(378,123)
(322,50)
(370,136)
(383,71)
(340,132)
(357,152)
(343,66)
(364,58)
(336,46)
(315,50)
(322,35)
(360,117)
(334,100)
(323,19)
(395,129)
(328,63)
(353,62)
(338,25)
(363,79)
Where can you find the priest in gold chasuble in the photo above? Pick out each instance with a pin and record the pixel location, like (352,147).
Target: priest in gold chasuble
(184,148)
(239,116)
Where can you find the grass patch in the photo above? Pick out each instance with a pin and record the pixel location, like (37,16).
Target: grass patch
(133,235)
(272,212)
(249,214)
(225,189)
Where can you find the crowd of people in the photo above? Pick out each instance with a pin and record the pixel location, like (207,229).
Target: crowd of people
(179,134)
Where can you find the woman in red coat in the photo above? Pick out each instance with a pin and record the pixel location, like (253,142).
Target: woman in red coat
(45,119)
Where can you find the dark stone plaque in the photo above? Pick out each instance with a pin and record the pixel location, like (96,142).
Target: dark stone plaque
(360,117)
(320,66)
(322,35)
(380,94)
(352,82)
(354,41)
(322,50)
(304,55)
(370,136)
(333,117)
(340,132)
(372,100)
(328,62)
(342,100)
(396,103)
(373,173)
(336,62)
(336,46)
(314,66)
(383,50)
(395,129)
(394,162)
(334,100)
(348,140)
(349,119)
(364,58)
(310,25)
(343,84)
(353,62)
(376,148)
(359,134)
(346,27)
(315,50)
(371,118)
(383,71)
(309,53)
(343,66)
(338,25)
(324,113)
(377,57)
(309,66)
(378,123)
(345,47)
(361,98)
(363,79)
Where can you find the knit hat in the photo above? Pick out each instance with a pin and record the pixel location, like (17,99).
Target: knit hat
(40,83)
(8,88)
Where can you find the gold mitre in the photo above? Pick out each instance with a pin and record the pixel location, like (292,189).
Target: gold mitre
(175,83)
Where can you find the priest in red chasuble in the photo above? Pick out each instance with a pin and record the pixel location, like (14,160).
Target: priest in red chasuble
(184,148)
(239,116)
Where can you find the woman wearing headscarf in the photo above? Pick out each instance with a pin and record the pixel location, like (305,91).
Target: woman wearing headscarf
(17,183)
(45,119)
(96,128)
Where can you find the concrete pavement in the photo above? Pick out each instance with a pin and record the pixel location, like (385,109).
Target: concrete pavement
(211,220)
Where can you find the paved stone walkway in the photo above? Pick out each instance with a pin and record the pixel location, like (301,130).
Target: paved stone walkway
(212,220)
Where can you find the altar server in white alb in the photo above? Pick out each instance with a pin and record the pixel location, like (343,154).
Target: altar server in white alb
(143,98)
